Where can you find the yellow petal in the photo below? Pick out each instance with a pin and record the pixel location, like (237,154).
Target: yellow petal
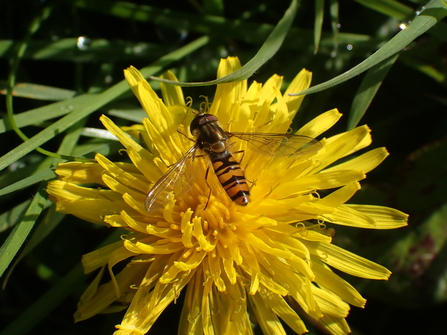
(320,124)
(131,180)
(335,325)
(384,217)
(320,181)
(326,278)
(345,216)
(146,248)
(95,203)
(105,295)
(172,94)
(157,112)
(339,146)
(80,173)
(285,312)
(98,258)
(269,89)
(330,303)
(268,320)
(227,94)
(366,162)
(299,83)
(340,196)
(348,262)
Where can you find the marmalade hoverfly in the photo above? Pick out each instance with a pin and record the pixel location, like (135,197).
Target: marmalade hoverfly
(212,140)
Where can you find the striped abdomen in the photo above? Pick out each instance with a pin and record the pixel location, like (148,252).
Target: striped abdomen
(230,175)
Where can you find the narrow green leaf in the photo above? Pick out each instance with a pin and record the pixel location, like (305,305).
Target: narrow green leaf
(368,89)
(318,24)
(21,231)
(390,8)
(41,114)
(10,218)
(253,33)
(31,180)
(424,21)
(96,146)
(267,51)
(83,107)
(335,19)
(39,92)
(66,147)
(135,115)
(52,298)
(99,50)
(49,222)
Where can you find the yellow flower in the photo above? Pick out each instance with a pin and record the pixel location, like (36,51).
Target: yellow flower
(236,264)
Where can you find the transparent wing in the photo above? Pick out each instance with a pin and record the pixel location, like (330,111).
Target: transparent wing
(172,181)
(272,144)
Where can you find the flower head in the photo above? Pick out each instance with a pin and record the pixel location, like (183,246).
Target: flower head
(236,263)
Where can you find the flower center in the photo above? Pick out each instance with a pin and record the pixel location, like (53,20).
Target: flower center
(214,217)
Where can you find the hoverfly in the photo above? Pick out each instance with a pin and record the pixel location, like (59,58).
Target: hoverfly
(213,141)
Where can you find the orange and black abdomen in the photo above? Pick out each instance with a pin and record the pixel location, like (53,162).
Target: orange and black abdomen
(230,175)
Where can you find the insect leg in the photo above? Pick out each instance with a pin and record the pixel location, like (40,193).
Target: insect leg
(191,139)
(243,154)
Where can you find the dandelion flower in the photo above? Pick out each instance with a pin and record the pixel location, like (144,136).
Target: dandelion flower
(263,261)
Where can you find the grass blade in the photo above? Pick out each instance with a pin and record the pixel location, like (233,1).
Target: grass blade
(267,51)
(39,92)
(318,24)
(21,231)
(31,180)
(90,103)
(52,298)
(391,8)
(423,22)
(368,89)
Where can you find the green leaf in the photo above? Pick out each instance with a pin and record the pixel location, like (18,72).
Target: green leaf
(335,19)
(33,212)
(31,180)
(10,218)
(368,89)
(99,50)
(49,222)
(39,92)
(267,51)
(135,115)
(424,21)
(87,104)
(53,297)
(21,231)
(41,114)
(391,8)
(97,147)
(223,27)
(318,24)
